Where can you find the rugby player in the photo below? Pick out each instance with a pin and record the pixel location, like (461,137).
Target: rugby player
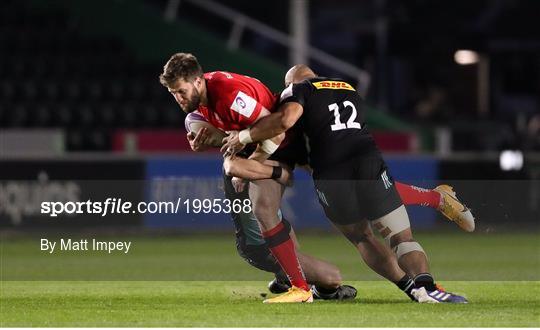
(351,178)
(215,95)
(230,102)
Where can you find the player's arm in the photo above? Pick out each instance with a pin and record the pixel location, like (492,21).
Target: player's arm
(250,169)
(246,110)
(265,129)
(275,123)
(267,147)
(254,168)
(292,101)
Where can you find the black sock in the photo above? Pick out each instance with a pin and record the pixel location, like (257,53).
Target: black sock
(425,280)
(406,284)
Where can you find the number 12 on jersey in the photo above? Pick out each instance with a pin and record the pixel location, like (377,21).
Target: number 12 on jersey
(338,125)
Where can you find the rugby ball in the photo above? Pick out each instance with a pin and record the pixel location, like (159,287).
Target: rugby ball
(195,121)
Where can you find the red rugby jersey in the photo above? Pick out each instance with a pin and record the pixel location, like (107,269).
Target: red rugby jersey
(235,101)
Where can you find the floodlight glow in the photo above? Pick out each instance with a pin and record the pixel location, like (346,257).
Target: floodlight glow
(466,57)
(511,160)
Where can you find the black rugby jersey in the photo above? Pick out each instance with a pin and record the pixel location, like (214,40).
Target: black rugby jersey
(333,120)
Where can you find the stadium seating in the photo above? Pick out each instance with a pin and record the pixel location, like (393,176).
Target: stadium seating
(51,75)
(54,74)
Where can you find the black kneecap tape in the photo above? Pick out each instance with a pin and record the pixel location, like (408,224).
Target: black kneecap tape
(279,237)
(276,172)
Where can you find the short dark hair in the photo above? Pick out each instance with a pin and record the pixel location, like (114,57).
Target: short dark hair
(180,65)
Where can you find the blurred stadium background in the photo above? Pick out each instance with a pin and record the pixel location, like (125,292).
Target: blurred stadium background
(453,93)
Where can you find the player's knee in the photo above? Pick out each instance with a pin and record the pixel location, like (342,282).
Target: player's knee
(403,236)
(263,207)
(330,277)
(404,248)
(394,227)
(259,257)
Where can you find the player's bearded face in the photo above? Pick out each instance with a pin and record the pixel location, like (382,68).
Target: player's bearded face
(192,102)
(186,95)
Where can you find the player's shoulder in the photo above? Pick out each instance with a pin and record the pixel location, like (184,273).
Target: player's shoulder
(293,91)
(219,78)
(223,82)
(229,78)
(221,85)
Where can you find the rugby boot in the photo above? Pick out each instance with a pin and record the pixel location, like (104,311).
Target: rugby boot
(436,296)
(343,292)
(293,295)
(454,210)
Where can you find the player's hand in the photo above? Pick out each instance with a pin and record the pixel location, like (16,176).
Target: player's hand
(198,142)
(238,184)
(231,144)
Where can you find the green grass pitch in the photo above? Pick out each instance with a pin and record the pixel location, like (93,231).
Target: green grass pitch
(199,280)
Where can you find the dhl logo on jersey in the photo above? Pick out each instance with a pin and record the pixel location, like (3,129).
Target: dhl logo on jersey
(329,84)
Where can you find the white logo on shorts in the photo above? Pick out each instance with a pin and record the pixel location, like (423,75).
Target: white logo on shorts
(386,180)
(322,197)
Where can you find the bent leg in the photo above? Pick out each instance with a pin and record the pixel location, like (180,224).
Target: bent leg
(317,271)
(252,248)
(413,195)
(396,230)
(266,197)
(374,253)
(443,198)
(411,257)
